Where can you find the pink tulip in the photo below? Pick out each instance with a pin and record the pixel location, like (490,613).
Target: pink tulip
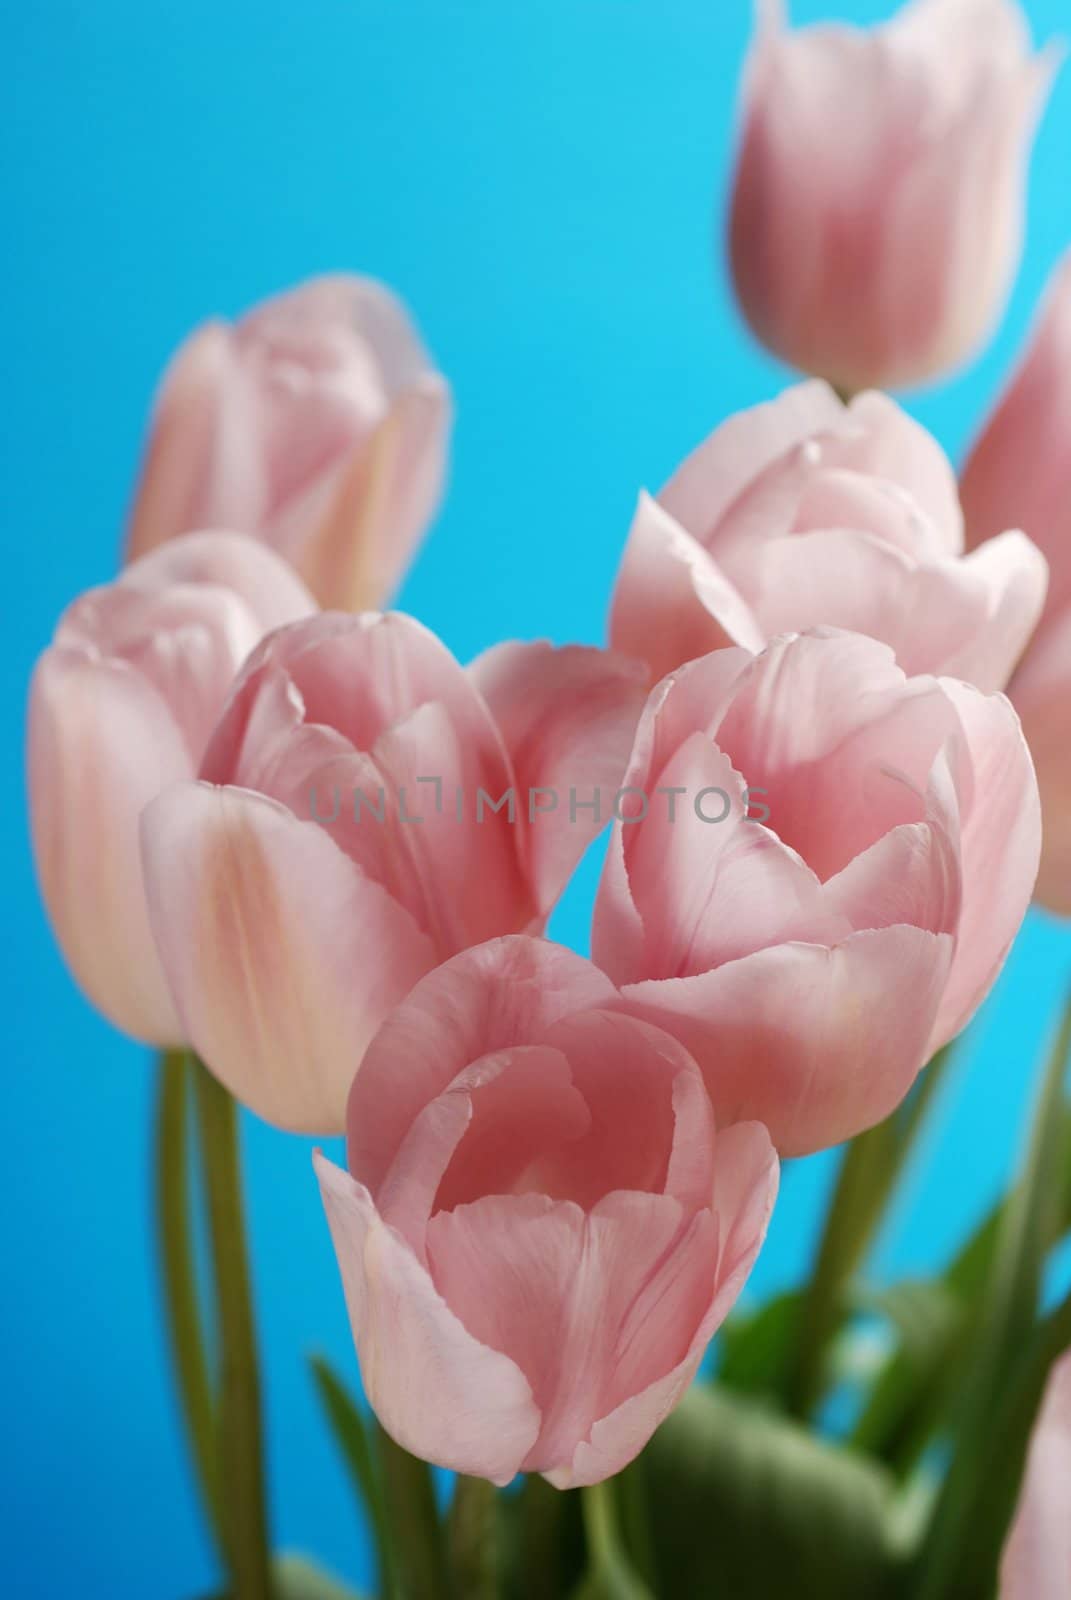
(877,215)
(122,704)
(315,422)
(804,512)
(1021,467)
(539,1231)
(833,863)
(1037,1556)
(342,840)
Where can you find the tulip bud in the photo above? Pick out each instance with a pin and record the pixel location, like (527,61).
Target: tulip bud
(363,813)
(540,1229)
(877,215)
(317,423)
(804,512)
(1021,467)
(812,955)
(121,705)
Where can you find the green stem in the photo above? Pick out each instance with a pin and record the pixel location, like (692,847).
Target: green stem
(473,1539)
(414,1520)
(180,1280)
(241,1459)
(868,1174)
(611,1576)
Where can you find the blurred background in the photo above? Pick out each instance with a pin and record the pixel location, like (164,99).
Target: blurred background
(544,182)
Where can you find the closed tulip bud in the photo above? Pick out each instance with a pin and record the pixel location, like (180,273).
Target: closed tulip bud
(540,1228)
(805,512)
(366,809)
(315,422)
(877,214)
(1021,466)
(121,705)
(831,866)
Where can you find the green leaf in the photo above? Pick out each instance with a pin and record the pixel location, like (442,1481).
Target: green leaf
(748,1505)
(755,1348)
(951,1552)
(413,1516)
(344,1419)
(918,1385)
(295,1578)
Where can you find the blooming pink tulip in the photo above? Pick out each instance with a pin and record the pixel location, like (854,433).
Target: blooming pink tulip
(315,422)
(1021,467)
(122,704)
(343,840)
(539,1231)
(877,215)
(805,512)
(812,957)
(1037,1556)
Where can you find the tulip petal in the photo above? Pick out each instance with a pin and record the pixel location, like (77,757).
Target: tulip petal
(1011,576)
(361,545)
(170,498)
(816,1043)
(1041,692)
(500,994)
(438,1392)
(746,1178)
(1000,824)
(567,717)
(101,745)
(283,958)
(671,601)
(710,885)
(270,588)
(1036,1564)
(727,463)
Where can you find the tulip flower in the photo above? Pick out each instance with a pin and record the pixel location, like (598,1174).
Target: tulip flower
(823,869)
(877,213)
(540,1229)
(803,512)
(366,809)
(315,422)
(1021,467)
(1037,1557)
(121,705)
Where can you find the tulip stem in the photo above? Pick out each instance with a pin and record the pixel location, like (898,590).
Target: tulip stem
(473,1538)
(611,1575)
(240,1446)
(868,1175)
(179,1279)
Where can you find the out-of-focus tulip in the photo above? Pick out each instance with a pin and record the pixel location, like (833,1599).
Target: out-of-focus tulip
(877,215)
(804,512)
(121,705)
(1037,1556)
(1021,466)
(540,1231)
(343,839)
(811,959)
(315,422)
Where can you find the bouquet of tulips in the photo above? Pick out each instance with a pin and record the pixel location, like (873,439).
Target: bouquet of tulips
(292,842)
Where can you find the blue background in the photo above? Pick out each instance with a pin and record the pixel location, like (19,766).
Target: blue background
(540,179)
